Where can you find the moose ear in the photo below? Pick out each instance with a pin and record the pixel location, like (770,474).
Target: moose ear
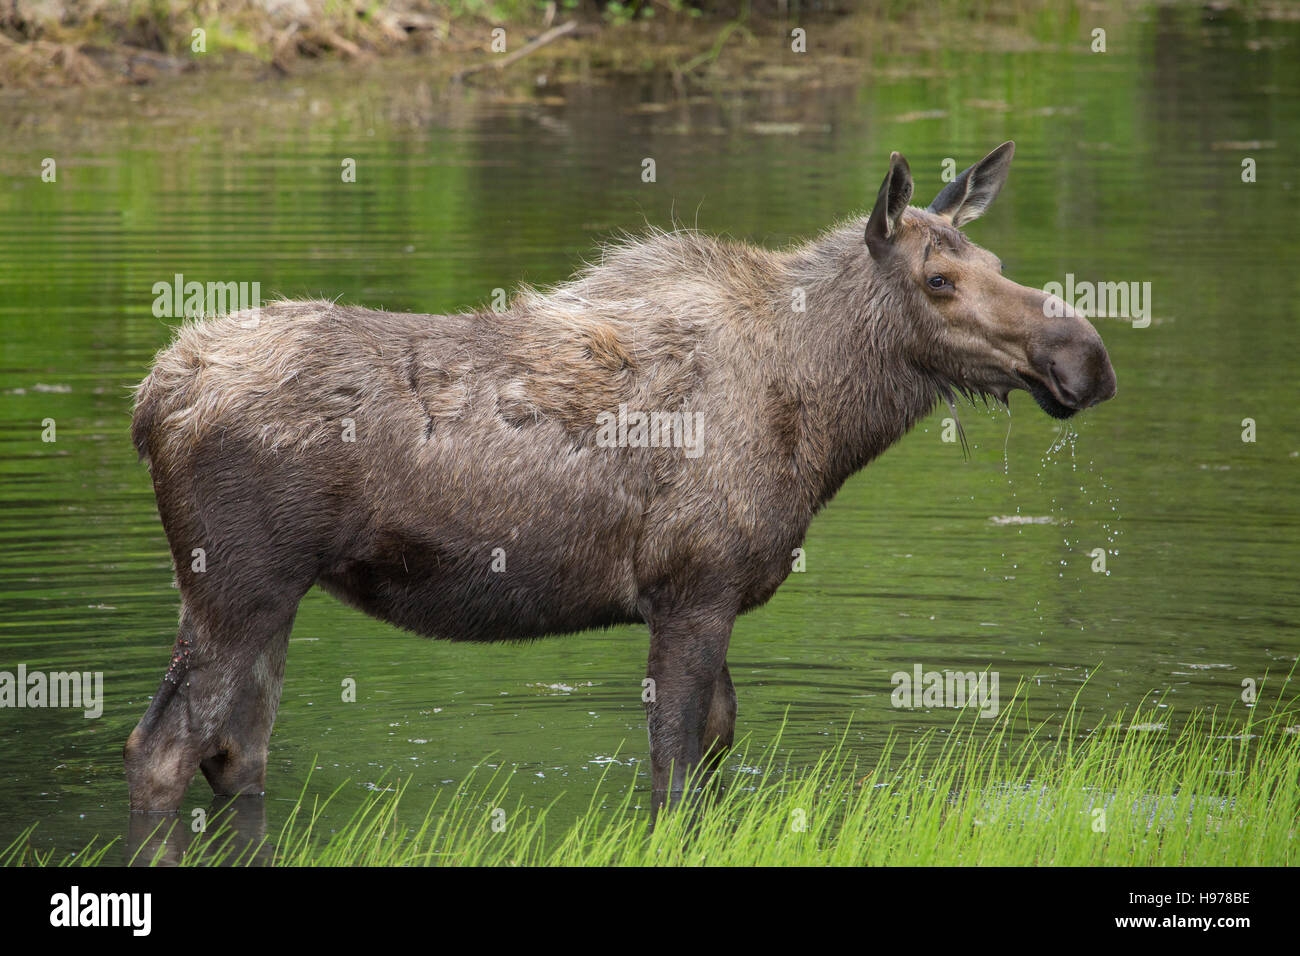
(966,197)
(895,193)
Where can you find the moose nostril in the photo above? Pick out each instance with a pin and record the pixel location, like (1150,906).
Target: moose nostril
(1066,392)
(1108,383)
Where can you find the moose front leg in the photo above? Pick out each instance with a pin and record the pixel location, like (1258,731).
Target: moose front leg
(688,653)
(720,728)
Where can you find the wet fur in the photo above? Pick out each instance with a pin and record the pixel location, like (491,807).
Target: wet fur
(477,431)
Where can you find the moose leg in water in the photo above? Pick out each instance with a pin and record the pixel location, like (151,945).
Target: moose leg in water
(688,653)
(239,736)
(161,753)
(720,728)
(213,711)
(241,576)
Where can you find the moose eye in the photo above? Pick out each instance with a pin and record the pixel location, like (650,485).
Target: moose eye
(936,282)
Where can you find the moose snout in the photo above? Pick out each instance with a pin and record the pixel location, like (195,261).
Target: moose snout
(1072,364)
(1080,373)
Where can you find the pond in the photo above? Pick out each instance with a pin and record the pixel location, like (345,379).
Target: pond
(1128,169)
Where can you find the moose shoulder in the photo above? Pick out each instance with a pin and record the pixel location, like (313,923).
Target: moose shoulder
(646,442)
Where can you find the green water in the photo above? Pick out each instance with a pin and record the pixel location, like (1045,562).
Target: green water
(1128,168)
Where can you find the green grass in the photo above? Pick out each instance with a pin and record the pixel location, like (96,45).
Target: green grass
(1223,792)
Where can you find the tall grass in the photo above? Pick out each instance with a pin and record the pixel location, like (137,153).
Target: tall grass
(1221,791)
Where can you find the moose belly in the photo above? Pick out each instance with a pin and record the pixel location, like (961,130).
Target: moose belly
(473,608)
(527,584)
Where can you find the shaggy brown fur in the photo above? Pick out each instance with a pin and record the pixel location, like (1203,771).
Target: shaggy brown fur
(478,432)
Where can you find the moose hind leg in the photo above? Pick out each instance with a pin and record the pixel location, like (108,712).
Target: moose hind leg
(214,709)
(243,713)
(161,754)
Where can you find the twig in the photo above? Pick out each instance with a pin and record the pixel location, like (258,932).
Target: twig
(549,36)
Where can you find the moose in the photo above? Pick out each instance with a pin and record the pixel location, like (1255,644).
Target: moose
(446,473)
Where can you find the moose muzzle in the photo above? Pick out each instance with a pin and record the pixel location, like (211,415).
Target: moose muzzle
(1069,368)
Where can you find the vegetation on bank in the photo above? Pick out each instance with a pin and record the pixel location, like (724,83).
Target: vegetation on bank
(80,42)
(66,42)
(1218,792)
(97,42)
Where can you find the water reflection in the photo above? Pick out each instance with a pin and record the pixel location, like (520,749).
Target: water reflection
(230,832)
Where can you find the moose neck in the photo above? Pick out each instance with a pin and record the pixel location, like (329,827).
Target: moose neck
(859,390)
